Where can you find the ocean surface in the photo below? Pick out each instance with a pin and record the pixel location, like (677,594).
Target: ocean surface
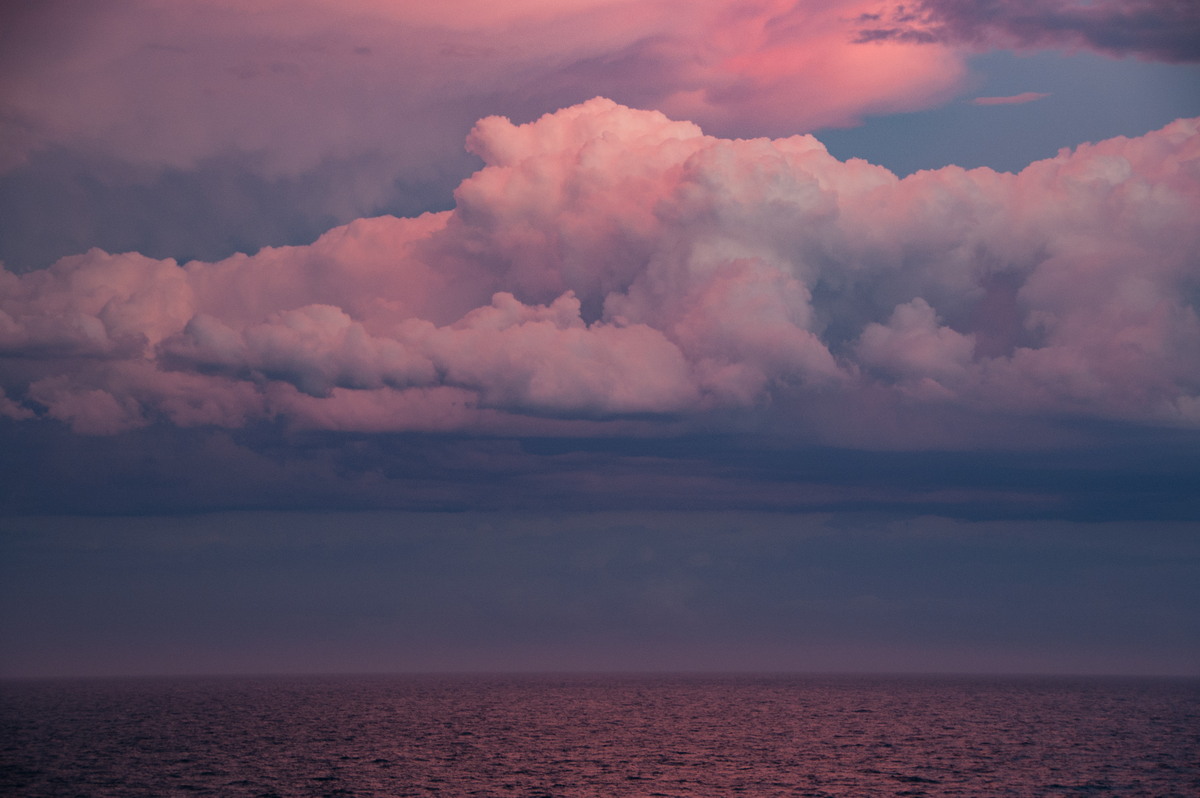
(610,736)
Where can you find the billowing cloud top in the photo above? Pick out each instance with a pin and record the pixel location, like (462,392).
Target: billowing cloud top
(610,269)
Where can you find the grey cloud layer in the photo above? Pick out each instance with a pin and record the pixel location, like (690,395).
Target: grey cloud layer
(611,269)
(1160,30)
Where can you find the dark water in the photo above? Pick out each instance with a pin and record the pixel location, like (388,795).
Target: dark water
(611,736)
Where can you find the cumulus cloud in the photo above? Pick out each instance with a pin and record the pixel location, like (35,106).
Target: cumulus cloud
(1158,30)
(610,268)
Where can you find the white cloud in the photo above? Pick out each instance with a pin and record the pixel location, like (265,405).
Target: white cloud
(609,263)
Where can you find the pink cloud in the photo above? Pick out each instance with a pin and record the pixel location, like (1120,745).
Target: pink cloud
(610,267)
(1016,99)
(376,86)
(198,128)
(914,344)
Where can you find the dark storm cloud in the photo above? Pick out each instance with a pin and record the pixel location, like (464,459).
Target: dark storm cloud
(61,202)
(1133,474)
(1161,30)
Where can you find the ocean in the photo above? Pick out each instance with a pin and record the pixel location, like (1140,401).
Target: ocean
(611,736)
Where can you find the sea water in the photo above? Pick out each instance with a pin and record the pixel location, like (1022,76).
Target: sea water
(610,736)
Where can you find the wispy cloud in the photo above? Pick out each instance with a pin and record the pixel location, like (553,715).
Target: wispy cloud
(1160,30)
(1015,99)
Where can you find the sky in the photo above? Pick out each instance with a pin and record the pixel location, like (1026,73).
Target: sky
(589,335)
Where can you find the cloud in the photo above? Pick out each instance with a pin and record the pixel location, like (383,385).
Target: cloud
(200,128)
(611,269)
(1016,99)
(301,82)
(1157,30)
